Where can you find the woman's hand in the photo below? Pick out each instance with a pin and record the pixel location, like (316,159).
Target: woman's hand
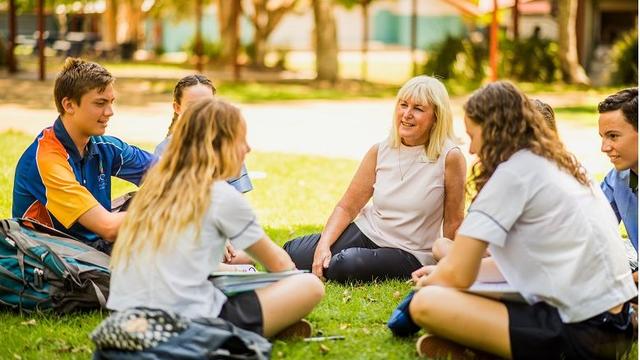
(321,259)
(420,275)
(229,253)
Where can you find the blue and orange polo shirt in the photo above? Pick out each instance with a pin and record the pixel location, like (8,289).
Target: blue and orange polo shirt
(55,185)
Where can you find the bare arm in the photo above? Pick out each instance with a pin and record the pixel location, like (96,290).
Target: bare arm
(102,222)
(354,199)
(455,171)
(460,268)
(273,257)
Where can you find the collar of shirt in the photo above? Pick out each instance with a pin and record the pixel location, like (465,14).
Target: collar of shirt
(633,181)
(61,133)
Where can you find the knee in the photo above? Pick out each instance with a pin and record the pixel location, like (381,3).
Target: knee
(313,287)
(287,245)
(425,304)
(345,265)
(302,245)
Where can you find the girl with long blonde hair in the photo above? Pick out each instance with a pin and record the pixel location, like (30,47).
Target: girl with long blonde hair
(552,236)
(175,232)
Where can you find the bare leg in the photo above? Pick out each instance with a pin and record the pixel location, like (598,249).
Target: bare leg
(441,248)
(288,301)
(470,320)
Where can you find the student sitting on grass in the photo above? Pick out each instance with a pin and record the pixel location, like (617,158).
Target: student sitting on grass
(442,246)
(63,179)
(618,127)
(187,91)
(178,223)
(415,180)
(552,235)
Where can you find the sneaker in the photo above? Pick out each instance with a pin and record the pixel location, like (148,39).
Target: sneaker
(299,330)
(434,347)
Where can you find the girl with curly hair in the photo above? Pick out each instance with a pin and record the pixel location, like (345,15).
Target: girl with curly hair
(551,234)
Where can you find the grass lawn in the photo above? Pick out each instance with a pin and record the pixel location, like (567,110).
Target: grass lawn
(294,198)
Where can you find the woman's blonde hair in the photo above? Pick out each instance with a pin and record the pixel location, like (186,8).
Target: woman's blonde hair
(177,190)
(510,122)
(427,90)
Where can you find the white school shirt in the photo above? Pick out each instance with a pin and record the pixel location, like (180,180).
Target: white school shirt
(553,239)
(176,279)
(407,207)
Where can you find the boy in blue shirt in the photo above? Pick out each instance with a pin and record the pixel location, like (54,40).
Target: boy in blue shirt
(618,128)
(63,179)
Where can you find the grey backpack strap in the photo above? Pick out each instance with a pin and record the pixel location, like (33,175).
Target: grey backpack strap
(14,233)
(99,295)
(95,257)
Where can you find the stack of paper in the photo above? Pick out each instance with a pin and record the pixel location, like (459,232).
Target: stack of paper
(496,290)
(236,282)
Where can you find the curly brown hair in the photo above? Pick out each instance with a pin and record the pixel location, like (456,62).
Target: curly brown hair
(511,123)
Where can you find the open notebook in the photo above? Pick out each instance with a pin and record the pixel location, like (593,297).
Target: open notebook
(496,290)
(236,282)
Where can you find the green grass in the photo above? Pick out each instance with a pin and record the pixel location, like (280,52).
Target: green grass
(294,198)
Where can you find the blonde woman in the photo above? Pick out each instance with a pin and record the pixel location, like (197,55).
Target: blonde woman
(551,234)
(177,225)
(415,180)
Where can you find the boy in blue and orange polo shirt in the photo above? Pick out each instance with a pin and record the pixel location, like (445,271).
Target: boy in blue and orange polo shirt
(618,127)
(63,179)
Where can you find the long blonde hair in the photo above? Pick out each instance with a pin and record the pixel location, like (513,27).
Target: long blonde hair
(177,190)
(427,90)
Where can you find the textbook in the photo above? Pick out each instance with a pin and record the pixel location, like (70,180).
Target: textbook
(231,282)
(496,290)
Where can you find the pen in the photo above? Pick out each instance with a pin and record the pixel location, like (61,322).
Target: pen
(323,338)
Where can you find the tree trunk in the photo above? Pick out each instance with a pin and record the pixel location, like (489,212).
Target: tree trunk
(158,35)
(325,40)
(516,20)
(260,44)
(228,18)
(134,19)
(260,20)
(365,38)
(109,24)
(198,40)
(493,42)
(414,36)
(12,65)
(572,71)
(265,20)
(41,29)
